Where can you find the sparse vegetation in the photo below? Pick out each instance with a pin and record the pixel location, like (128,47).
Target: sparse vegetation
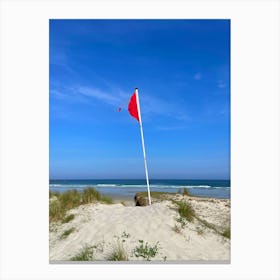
(125,235)
(68,218)
(157,195)
(53,194)
(86,254)
(106,199)
(185,210)
(118,253)
(208,225)
(90,195)
(71,199)
(199,230)
(226,233)
(184,191)
(56,211)
(182,221)
(66,233)
(146,251)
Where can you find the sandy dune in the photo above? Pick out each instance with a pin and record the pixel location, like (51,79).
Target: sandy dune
(105,227)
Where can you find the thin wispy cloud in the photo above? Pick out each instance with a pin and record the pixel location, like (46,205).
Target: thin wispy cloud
(95,93)
(58,94)
(151,105)
(117,97)
(94,66)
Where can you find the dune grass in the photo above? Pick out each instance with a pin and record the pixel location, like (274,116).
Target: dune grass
(71,199)
(90,195)
(106,199)
(68,218)
(165,195)
(156,195)
(66,233)
(86,254)
(118,253)
(53,194)
(185,210)
(226,233)
(56,211)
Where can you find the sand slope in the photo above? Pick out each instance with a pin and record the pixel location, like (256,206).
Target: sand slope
(106,226)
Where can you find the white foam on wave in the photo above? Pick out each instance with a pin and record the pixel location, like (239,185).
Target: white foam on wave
(153,186)
(200,186)
(137,186)
(107,185)
(55,185)
(68,186)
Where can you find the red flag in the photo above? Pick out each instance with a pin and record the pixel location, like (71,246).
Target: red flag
(132,107)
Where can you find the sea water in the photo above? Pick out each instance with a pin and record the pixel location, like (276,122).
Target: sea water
(128,188)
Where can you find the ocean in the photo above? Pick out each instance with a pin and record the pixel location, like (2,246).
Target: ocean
(128,188)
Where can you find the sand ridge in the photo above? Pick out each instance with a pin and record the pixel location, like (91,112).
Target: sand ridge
(104,227)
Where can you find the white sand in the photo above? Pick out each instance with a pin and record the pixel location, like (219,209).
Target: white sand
(104,226)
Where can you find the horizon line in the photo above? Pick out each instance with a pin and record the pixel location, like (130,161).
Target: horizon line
(136,179)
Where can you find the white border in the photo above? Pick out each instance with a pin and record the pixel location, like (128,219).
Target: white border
(254,142)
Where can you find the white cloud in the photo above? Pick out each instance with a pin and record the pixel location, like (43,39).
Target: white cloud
(58,94)
(109,98)
(117,97)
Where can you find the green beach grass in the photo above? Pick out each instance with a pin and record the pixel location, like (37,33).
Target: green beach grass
(60,203)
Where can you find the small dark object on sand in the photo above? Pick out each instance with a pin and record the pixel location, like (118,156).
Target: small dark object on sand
(140,200)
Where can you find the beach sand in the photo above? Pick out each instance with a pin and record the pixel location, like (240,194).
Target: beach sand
(103,228)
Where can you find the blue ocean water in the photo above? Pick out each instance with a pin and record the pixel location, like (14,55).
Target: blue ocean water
(128,188)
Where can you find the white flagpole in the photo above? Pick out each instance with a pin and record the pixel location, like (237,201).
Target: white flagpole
(143,145)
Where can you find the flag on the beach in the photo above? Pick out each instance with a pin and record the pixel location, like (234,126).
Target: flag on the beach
(132,107)
(134,110)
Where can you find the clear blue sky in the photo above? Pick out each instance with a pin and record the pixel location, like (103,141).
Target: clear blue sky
(182,70)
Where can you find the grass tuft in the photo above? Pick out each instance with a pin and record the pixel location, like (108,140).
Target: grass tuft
(56,211)
(90,195)
(68,218)
(66,233)
(70,199)
(86,254)
(226,233)
(185,210)
(118,253)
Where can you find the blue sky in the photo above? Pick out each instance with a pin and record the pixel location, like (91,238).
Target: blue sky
(182,70)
